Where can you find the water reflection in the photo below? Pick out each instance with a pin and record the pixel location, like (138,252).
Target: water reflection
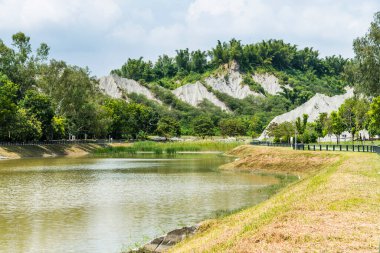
(103,205)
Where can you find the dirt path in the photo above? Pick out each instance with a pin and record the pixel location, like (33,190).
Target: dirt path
(334,208)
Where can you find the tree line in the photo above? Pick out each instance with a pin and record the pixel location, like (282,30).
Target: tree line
(268,54)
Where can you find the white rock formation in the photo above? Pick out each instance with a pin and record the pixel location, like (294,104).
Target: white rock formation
(269,82)
(115,86)
(231,84)
(195,93)
(318,104)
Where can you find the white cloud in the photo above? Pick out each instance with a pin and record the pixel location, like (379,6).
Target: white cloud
(36,14)
(117,29)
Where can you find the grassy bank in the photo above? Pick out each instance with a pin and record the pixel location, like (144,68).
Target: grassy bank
(334,207)
(170,147)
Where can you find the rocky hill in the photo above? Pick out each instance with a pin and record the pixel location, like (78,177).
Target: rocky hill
(220,88)
(269,82)
(195,93)
(318,104)
(118,87)
(230,83)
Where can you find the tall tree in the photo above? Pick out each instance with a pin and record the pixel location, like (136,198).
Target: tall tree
(337,125)
(168,127)
(8,106)
(203,126)
(347,113)
(374,117)
(361,113)
(301,124)
(40,106)
(364,70)
(320,125)
(232,127)
(182,60)
(198,61)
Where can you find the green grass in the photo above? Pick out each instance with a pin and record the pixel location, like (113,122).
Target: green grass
(170,147)
(115,150)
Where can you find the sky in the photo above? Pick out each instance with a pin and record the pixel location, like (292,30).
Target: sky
(103,34)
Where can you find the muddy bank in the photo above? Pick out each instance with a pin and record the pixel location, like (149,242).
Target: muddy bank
(51,150)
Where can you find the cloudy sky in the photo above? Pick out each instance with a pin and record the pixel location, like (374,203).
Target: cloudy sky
(102,34)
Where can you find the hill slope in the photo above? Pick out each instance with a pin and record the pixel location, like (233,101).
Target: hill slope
(318,104)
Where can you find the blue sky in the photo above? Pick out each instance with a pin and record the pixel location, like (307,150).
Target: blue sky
(103,34)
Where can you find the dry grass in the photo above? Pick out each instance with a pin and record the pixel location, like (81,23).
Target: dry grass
(335,208)
(279,160)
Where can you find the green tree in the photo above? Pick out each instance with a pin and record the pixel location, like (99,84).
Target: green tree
(8,106)
(281,132)
(198,61)
(347,113)
(361,113)
(320,125)
(219,54)
(128,120)
(364,70)
(136,69)
(164,67)
(25,127)
(182,60)
(59,127)
(203,126)
(374,117)
(41,107)
(301,124)
(168,127)
(232,127)
(337,125)
(257,124)
(75,95)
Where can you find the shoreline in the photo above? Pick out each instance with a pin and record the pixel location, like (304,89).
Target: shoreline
(333,205)
(168,241)
(51,150)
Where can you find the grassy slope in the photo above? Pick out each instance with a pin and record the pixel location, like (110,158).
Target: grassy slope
(47,150)
(334,208)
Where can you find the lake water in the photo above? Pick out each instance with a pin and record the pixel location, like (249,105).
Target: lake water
(111,204)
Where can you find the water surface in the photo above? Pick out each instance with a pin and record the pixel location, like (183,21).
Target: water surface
(109,204)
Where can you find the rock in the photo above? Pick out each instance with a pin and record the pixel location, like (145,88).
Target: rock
(231,84)
(163,243)
(269,82)
(194,94)
(154,244)
(116,87)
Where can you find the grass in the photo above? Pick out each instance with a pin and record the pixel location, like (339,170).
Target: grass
(334,206)
(169,147)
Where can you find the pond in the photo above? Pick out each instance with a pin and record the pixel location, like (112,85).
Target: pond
(108,205)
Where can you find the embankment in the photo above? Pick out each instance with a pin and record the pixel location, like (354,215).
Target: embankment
(14,152)
(334,207)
